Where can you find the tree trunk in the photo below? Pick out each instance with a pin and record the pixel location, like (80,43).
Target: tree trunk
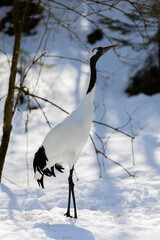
(159,41)
(9,103)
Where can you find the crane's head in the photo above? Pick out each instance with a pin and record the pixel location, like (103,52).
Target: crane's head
(97,52)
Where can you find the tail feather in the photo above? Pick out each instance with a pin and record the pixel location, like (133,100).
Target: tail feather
(59,167)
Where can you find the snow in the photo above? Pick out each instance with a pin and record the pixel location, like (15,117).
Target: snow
(112,207)
(108,208)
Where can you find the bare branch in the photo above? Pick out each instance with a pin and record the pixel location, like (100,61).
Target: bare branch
(41,98)
(26,155)
(106,157)
(132,146)
(43,113)
(115,129)
(96,151)
(68,58)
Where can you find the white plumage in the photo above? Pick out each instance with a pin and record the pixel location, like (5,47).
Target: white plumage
(66,140)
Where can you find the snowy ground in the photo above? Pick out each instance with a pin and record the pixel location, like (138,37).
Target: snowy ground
(107,209)
(114,207)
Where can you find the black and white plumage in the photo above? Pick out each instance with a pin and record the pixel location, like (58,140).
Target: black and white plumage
(65,141)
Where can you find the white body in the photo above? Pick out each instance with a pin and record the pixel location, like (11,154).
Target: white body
(66,140)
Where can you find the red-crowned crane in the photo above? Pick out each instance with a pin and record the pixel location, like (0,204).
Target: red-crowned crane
(65,141)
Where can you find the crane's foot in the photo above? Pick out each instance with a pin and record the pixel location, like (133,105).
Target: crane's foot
(67,214)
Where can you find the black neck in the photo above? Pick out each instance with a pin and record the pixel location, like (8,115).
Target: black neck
(92,77)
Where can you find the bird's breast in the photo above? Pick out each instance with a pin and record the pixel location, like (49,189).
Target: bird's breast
(71,134)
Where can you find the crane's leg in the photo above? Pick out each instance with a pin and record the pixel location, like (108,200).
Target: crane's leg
(74,201)
(71,191)
(67,214)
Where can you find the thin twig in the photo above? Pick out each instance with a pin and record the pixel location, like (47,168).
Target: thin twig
(104,155)
(132,146)
(120,165)
(26,155)
(68,58)
(12,182)
(43,113)
(115,129)
(41,98)
(95,148)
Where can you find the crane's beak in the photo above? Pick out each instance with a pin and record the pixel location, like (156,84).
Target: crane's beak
(105,49)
